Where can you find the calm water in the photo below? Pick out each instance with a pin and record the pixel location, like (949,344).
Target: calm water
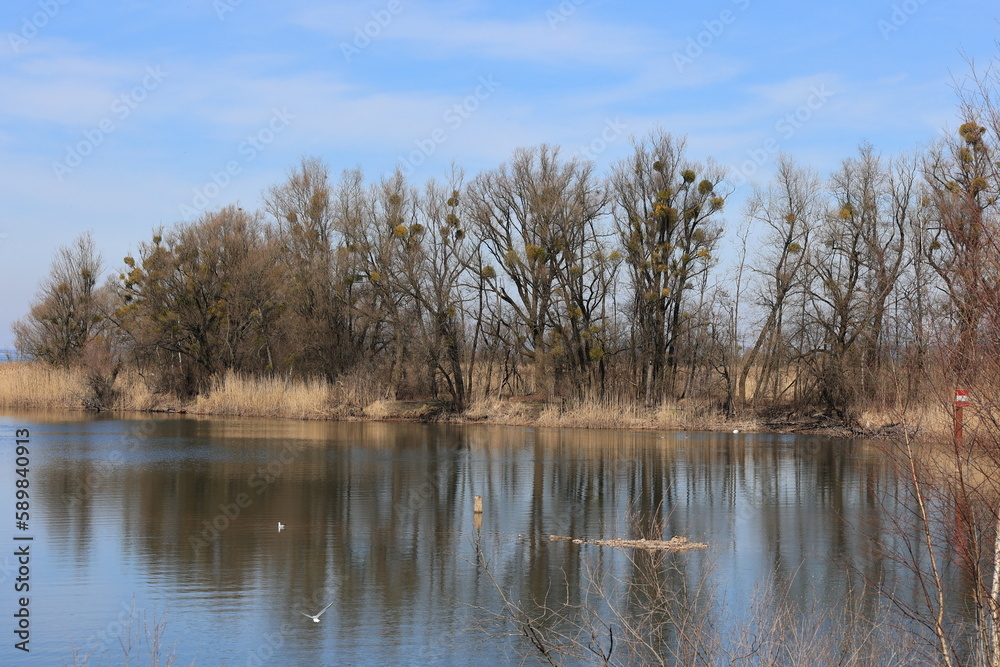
(174,520)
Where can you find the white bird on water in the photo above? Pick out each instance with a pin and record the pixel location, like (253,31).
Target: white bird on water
(315,617)
(281,526)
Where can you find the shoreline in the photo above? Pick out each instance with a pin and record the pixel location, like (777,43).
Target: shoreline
(815,425)
(32,386)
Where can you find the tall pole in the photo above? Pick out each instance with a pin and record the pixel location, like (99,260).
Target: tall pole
(961,401)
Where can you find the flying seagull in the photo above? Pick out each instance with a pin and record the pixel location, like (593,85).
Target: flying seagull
(315,618)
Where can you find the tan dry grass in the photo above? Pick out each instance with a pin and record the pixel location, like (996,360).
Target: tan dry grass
(608,414)
(497,411)
(235,395)
(594,414)
(135,394)
(357,388)
(380,409)
(688,415)
(35,385)
(404,410)
(932,419)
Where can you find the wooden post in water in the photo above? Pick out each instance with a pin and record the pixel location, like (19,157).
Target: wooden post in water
(477,517)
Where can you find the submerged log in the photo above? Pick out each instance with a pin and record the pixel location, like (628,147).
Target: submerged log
(675,544)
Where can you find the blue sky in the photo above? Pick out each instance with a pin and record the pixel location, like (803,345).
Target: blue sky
(118,117)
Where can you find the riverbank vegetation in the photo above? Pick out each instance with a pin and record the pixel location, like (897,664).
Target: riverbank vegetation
(542,288)
(35,385)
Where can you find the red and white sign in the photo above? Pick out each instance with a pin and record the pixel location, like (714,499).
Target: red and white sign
(961,397)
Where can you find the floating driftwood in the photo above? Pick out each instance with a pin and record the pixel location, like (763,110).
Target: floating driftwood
(673,544)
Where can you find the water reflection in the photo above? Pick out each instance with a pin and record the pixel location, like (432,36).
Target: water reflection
(182,512)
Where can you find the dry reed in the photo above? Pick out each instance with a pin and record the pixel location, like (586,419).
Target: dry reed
(133,394)
(30,385)
(235,395)
(361,394)
(594,414)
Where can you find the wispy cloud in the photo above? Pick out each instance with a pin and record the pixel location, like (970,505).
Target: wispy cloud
(439,31)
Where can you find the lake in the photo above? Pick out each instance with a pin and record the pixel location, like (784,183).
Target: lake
(168,526)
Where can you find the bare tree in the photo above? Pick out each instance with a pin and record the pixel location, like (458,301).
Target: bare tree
(434,257)
(201,299)
(317,278)
(378,231)
(66,313)
(962,179)
(789,211)
(532,217)
(856,266)
(666,216)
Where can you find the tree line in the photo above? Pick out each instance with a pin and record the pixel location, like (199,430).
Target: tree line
(542,277)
